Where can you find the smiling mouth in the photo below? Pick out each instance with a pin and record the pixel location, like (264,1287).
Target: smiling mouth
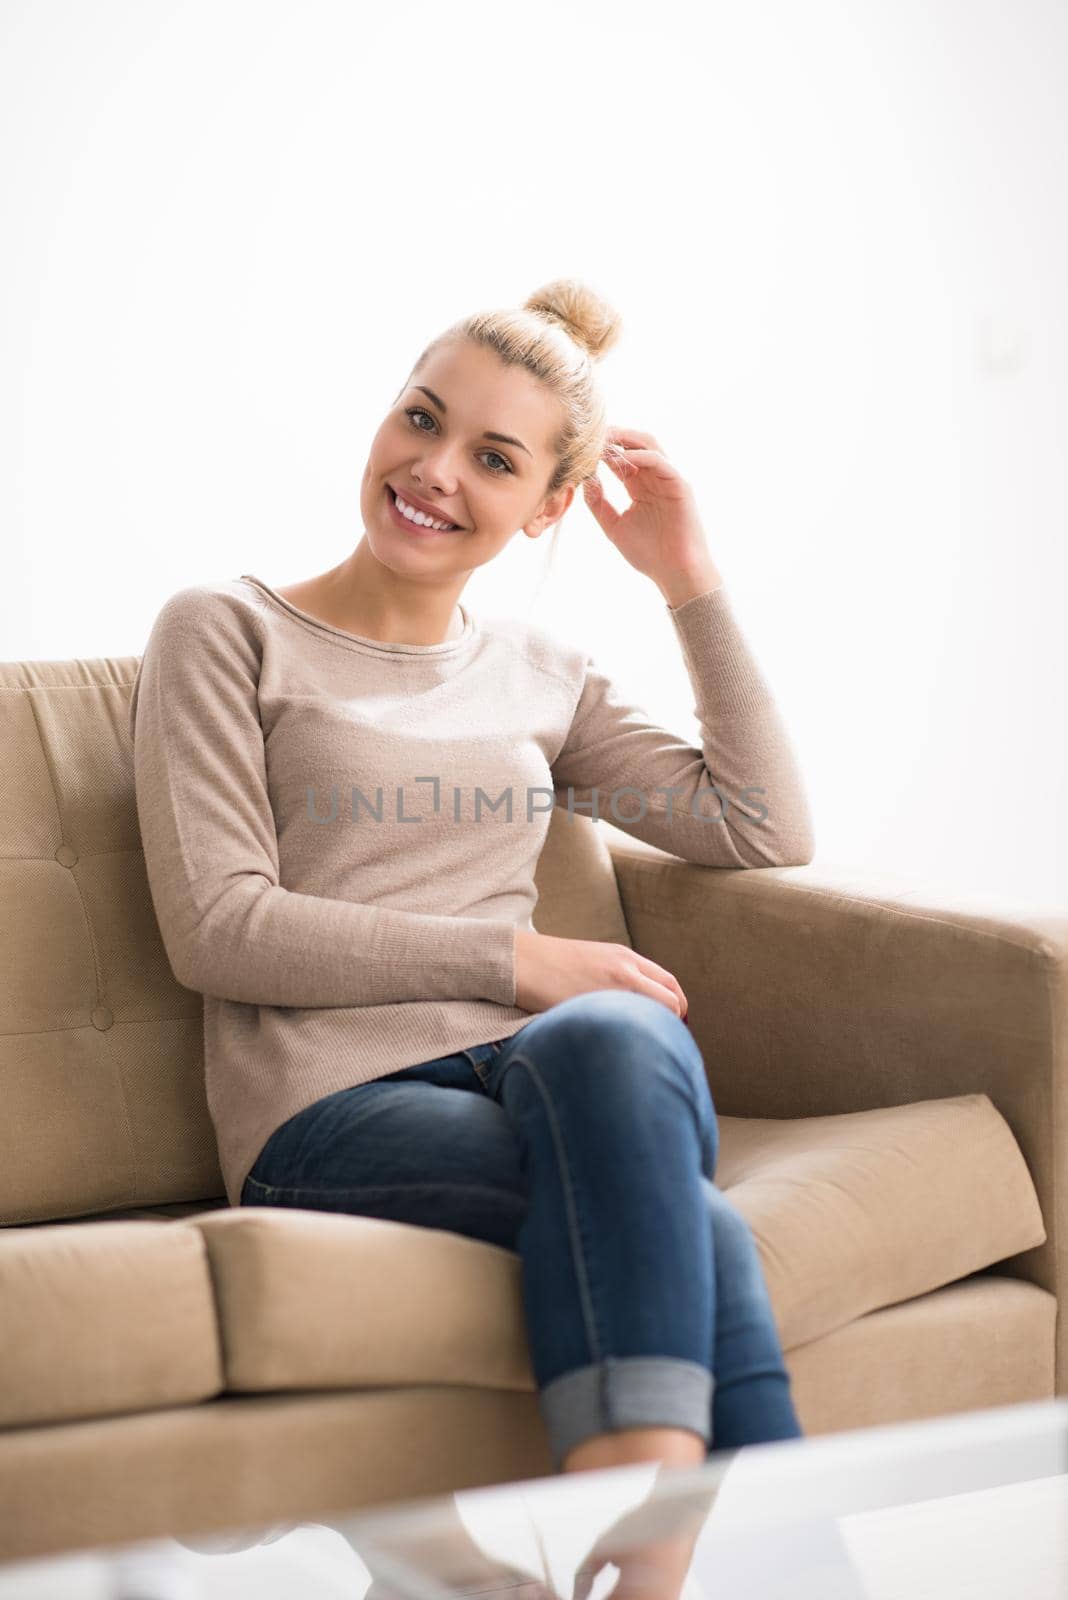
(416,527)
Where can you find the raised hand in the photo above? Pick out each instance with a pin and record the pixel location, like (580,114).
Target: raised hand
(660,533)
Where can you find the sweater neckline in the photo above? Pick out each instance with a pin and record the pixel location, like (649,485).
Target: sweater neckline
(445,648)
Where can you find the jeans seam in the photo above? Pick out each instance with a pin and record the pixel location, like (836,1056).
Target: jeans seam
(706,1139)
(380,1188)
(574,1230)
(699,1119)
(478,1068)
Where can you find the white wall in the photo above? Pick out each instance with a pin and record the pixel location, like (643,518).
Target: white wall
(837,235)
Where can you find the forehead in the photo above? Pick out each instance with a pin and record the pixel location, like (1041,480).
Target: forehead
(482,392)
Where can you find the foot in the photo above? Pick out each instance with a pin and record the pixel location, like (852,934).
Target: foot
(518,1586)
(652,1545)
(448,1554)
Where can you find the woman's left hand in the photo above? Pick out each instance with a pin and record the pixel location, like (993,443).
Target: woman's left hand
(660,532)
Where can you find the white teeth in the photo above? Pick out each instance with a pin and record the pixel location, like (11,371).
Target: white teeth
(420,518)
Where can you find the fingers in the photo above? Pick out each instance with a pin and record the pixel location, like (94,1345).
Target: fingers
(631,436)
(625,464)
(665,979)
(661,992)
(600,506)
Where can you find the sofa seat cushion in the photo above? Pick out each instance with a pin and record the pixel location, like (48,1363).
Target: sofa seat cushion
(326,1300)
(104,1318)
(866,1209)
(850,1213)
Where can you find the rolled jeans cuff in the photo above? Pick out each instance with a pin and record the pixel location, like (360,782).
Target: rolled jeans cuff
(626,1392)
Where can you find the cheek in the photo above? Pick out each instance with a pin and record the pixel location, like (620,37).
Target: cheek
(387,439)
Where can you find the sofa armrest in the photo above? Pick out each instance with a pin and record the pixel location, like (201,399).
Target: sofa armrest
(817,990)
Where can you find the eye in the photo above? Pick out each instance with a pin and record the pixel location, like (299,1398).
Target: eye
(420,411)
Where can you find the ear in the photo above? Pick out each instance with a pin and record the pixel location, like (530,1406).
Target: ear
(552,510)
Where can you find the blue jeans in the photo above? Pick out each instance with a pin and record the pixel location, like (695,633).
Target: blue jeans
(587,1143)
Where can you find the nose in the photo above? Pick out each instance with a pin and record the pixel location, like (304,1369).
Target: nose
(435,469)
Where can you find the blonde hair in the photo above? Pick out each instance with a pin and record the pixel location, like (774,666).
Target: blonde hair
(557,335)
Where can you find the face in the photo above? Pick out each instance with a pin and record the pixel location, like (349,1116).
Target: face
(434,449)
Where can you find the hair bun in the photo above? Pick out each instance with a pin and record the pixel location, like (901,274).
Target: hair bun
(581,311)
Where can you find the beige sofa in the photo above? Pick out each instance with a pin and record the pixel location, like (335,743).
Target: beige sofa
(889,1073)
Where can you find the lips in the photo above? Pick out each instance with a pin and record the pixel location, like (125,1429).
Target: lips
(421,505)
(412,529)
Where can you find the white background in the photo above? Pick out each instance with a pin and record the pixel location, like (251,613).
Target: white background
(836,233)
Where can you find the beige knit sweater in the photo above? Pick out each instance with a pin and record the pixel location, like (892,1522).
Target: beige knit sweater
(341,835)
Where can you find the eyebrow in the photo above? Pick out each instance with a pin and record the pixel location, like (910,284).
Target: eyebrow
(503,438)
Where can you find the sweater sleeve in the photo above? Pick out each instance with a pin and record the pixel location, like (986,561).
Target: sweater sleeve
(738,801)
(210,844)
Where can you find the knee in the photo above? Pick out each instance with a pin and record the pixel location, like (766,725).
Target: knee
(607,1006)
(622,1016)
(621,1040)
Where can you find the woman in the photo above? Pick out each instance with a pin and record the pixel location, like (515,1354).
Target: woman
(385,1032)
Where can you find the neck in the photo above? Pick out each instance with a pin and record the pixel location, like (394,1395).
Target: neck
(379,605)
